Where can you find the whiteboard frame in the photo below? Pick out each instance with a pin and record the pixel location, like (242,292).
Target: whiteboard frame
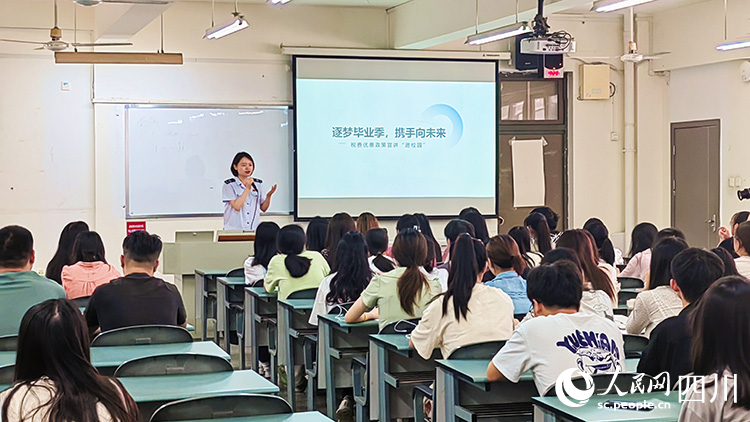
(128,215)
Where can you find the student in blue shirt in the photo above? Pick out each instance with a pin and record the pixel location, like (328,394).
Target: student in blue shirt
(506,263)
(244,196)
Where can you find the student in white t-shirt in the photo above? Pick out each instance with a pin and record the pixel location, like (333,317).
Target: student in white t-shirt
(265,248)
(350,275)
(469,312)
(742,247)
(559,337)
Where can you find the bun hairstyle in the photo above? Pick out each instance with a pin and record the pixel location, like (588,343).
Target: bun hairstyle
(291,242)
(468,263)
(410,251)
(600,233)
(377,244)
(503,252)
(538,223)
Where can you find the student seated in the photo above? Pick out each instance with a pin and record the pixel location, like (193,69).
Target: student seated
(523,240)
(506,264)
(138,298)
(294,268)
(594,276)
(366,222)
(693,272)
(729,267)
(469,312)
(548,344)
(452,230)
(403,293)
(316,234)
(541,239)
(609,256)
(742,247)
(348,279)
(552,219)
(727,236)
(473,216)
(721,339)
(54,379)
(264,248)
(20,287)
(593,301)
(641,239)
(339,225)
(63,254)
(658,302)
(91,269)
(640,263)
(434,251)
(377,245)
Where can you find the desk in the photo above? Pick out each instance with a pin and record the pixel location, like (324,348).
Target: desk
(293,316)
(462,384)
(107,359)
(230,291)
(338,343)
(289,417)
(551,409)
(394,364)
(152,392)
(260,310)
(205,285)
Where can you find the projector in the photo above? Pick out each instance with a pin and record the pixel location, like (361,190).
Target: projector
(547,45)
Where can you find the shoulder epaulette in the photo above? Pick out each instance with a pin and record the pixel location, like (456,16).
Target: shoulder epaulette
(229,181)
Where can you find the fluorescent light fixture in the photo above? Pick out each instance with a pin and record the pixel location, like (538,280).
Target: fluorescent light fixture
(733,45)
(496,34)
(603,6)
(279,1)
(218,31)
(69,57)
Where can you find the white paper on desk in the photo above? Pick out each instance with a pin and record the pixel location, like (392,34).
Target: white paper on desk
(528,172)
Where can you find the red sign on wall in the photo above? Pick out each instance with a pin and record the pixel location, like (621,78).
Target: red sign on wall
(134,226)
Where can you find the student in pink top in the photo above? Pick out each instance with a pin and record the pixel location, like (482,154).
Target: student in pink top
(90,269)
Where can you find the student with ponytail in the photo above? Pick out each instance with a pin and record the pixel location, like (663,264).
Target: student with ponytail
(536,223)
(294,268)
(469,312)
(523,240)
(506,264)
(402,293)
(608,254)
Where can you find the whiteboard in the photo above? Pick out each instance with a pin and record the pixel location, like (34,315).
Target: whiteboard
(177,158)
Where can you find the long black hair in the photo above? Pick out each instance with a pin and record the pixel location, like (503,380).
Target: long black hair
(642,238)
(352,270)
(410,251)
(264,245)
(721,334)
(64,256)
(538,228)
(730,268)
(291,242)
(551,216)
(316,234)
(473,216)
(434,252)
(662,254)
(377,244)
(523,240)
(468,262)
(339,225)
(53,342)
(582,242)
(88,247)
(600,232)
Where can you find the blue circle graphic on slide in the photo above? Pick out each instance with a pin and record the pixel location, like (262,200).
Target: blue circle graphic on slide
(451,113)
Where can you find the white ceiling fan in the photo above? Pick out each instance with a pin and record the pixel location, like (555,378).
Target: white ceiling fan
(57,44)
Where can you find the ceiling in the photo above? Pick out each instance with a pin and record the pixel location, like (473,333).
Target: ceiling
(385,4)
(656,6)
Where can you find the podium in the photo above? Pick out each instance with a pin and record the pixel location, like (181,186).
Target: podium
(207,250)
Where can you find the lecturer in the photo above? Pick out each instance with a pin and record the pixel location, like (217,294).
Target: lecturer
(243,196)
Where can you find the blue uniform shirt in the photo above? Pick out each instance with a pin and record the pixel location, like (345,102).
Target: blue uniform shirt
(515,286)
(248,217)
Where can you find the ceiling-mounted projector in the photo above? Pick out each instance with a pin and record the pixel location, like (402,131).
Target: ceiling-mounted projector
(547,45)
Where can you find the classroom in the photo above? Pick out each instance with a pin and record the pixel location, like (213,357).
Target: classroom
(594,144)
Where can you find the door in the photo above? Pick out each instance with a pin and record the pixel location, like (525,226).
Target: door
(695,181)
(554,178)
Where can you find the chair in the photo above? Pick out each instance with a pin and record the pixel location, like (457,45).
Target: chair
(404,326)
(303,294)
(360,384)
(143,334)
(630,283)
(237,272)
(236,316)
(82,302)
(182,364)
(221,407)
(624,295)
(7,374)
(484,350)
(623,382)
(9,343)
(634,345)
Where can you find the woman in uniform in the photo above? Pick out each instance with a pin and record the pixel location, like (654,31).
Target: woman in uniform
(244,196)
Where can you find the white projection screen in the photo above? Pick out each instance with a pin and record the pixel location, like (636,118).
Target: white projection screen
(394,136)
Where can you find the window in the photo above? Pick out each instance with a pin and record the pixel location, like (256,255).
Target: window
(535,100)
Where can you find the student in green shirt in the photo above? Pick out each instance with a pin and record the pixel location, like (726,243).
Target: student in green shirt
(20,287)
(294,268)
(402,293)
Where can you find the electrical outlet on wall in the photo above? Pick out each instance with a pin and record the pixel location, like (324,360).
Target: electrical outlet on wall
(65,86)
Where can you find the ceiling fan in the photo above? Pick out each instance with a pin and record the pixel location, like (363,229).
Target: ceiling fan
(57,44)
